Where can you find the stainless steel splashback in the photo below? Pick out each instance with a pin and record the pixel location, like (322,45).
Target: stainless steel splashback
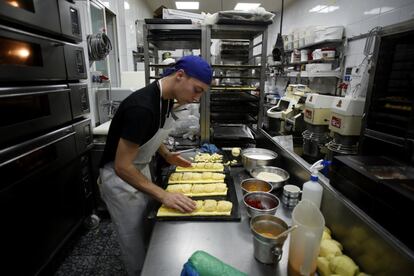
(374,249)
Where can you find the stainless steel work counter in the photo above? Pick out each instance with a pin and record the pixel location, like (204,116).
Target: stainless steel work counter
(172,243)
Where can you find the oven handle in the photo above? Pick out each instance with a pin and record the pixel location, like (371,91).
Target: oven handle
(37,148)
(33,93)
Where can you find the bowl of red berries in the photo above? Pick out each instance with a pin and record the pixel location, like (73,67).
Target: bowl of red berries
(260,203)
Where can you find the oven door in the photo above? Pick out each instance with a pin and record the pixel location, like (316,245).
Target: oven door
(41,199)
(28,111)
(75,62)
(26,57)
(70,20)
(51,16)
(79,99)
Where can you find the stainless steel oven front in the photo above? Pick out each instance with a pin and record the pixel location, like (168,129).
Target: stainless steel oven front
(29,57)
(56,17)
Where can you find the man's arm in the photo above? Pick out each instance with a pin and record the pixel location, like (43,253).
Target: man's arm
(173,158)
(124,167)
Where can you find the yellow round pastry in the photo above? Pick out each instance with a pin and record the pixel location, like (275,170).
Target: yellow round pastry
(207,175)
(224,206)
(221,187)
(199,205)
(209,205)
(196,176)
(186,188)
(209,188)
(235,152)
(218,176)
(197,189)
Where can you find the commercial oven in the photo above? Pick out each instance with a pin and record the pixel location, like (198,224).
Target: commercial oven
(55,17)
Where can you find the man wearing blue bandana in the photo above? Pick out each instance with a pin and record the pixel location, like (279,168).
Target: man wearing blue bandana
(140,125)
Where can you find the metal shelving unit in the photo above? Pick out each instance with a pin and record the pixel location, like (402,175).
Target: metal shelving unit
(237,103)
(171,37)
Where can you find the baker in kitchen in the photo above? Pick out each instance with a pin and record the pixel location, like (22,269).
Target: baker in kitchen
(140,125)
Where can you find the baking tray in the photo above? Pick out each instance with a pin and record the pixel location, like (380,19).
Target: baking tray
(231,196)
(232,132)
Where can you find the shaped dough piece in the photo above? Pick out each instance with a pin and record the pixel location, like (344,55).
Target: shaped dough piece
(176,176)
(224,206)
(210,205)
(187,176)
(186,188)
(180,188)
(207,175)
(209,188)
(196,176)
(197,189)
(199,205)
(221,187)
(218,166)
(218,176)
(199,165)
(203,208)
(173,188)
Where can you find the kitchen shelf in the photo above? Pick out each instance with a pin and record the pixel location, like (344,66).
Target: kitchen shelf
(305,62)
(233,88)
(322,74)
(235,77)
(327,41)
(326,74)
(235,66)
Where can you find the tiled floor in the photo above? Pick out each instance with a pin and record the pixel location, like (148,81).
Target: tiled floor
(93,252)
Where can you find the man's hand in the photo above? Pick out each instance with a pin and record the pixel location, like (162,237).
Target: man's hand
(174,158)
(179,202)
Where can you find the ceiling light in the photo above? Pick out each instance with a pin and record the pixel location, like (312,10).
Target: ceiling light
(187,5)
(317,8)
(329,9)
(126,5)
(323,9)
(378,10)
(246,6)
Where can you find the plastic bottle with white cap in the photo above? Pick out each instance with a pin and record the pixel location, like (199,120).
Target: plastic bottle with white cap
(312,190)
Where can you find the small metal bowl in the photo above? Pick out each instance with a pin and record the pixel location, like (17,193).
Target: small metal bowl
(281,172)
(260,203)
(255,185)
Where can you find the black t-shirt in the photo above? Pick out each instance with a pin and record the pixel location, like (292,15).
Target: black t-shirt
(137,120)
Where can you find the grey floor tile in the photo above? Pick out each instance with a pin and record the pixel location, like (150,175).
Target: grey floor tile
(109,266)
(77,266)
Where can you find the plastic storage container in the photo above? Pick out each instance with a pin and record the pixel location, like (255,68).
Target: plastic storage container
(305,240)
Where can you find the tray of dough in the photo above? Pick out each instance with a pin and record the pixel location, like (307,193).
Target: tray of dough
(230,196)
(202,167)
(195,177)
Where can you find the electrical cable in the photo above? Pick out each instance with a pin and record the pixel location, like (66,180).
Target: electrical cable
(99,46)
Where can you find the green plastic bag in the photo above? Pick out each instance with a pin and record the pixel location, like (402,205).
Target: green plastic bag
(207,265)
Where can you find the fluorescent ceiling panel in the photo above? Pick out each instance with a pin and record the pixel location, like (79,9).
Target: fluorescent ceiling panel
(246,6)
(187,5)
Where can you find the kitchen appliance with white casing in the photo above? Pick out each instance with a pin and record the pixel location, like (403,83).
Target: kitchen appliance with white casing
(288,107)
(316,114)
(345,124)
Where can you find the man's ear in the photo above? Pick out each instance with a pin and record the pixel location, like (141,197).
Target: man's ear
(180,74)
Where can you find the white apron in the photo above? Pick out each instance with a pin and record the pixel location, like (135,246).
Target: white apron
(127,205)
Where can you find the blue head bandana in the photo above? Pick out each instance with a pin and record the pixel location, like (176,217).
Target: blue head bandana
(193,66)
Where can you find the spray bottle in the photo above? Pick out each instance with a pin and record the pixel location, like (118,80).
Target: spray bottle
(312,190)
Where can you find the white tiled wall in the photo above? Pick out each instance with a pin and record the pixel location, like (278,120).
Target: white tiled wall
(358,16)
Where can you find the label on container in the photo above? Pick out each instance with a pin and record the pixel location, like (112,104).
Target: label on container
(336,122)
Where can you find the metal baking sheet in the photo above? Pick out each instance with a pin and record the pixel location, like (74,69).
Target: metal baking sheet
(231,196)
(232,132)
